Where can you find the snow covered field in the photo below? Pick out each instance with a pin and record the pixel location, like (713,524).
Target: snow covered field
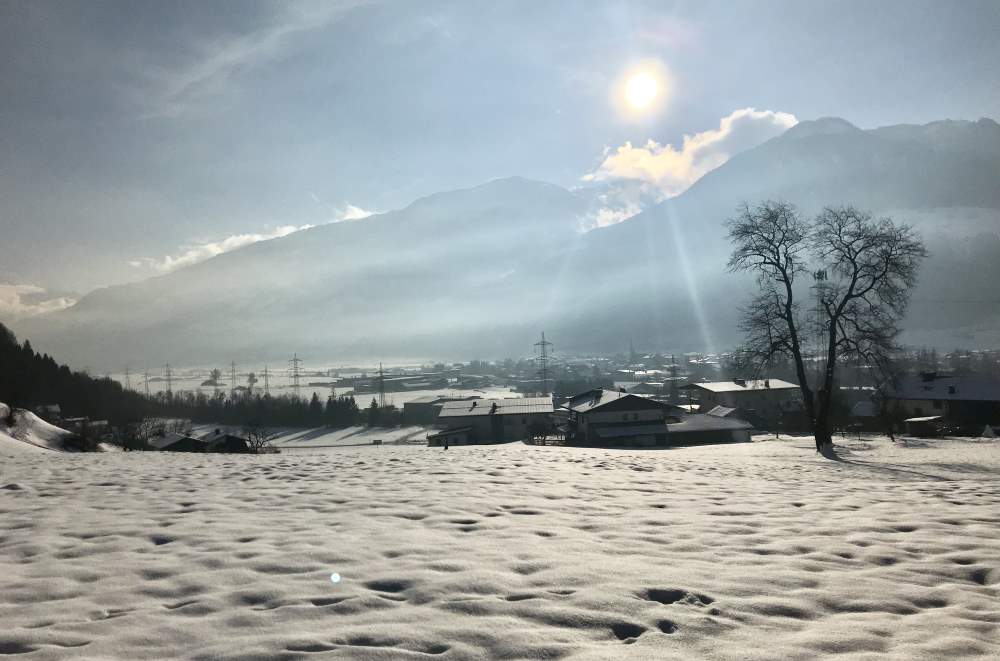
(754,551)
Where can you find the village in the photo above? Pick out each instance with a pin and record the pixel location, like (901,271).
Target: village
(629,400)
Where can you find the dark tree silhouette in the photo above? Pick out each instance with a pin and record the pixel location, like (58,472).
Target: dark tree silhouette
(866,267)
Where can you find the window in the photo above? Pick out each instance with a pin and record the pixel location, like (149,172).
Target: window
(951,390)
(936,403)
(624,417)
(635,416)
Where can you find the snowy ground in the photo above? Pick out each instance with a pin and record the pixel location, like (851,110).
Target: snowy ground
(753,551)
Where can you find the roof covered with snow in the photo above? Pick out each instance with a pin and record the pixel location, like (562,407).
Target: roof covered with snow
(593,399)
(743,385)
(508,406)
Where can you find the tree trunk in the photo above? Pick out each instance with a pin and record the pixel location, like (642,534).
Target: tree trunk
(821,430)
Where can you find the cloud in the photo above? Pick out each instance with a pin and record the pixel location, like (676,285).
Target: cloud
(22,301)
(199,252)
(210,70)
(351,212)
(672,170)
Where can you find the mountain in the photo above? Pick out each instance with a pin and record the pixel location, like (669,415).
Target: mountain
(478,272)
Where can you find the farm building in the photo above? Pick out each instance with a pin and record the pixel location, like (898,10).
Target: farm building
(219,441)
(173,442)
(497,420)
(610,417)
(424,410)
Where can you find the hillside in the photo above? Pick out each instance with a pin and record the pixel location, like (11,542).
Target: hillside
(22,431)
(479,272)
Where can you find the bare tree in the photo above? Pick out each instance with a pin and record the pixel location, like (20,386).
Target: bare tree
(867,267)
(258,438)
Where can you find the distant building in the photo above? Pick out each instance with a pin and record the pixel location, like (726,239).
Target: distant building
(425,410)
(51,413)
(640,387)
(720,425)
(496,420)
(959,399)
(456,436)
(219,441)
(173,442)
(615,418)
(766,400)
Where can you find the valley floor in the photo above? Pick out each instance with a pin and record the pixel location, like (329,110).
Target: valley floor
(752,551)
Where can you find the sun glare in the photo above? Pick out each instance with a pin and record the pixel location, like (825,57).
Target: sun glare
(641,90)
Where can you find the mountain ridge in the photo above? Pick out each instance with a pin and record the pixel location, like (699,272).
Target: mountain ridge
(478,271)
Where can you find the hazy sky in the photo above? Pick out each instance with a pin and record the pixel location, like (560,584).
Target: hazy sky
(139,136)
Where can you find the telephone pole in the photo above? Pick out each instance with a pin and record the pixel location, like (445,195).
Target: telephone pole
(543,363)
(295,361)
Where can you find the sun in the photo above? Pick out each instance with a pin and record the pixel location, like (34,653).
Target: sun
(641,90)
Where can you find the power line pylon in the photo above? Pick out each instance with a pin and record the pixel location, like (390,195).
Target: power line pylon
(296,361)
(128,379)
(543,363)
(232,379)
(145,380)
(381,387)
(170,380)
(267,384)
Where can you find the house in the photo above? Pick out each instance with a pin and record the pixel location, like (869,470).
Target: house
(768,400)
(219,441)
(958,399)
(497,420)
(713,427)
(615,418)
(173,442)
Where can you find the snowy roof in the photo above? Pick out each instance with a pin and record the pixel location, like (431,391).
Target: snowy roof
(593,399)
(704,422)
(926,418)
(509,406)
(721,411)
(743,385)
(952,388)
(447,432)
